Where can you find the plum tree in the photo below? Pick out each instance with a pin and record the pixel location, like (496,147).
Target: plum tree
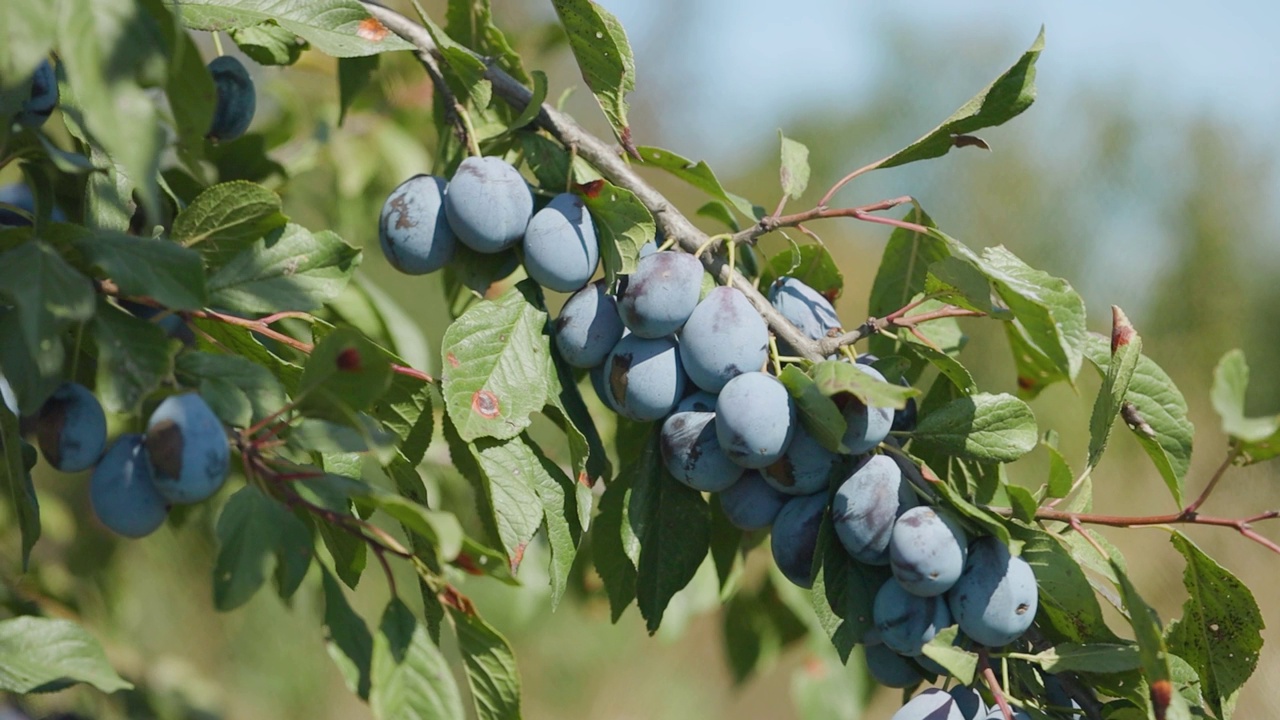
(488,204)
(661,294)
(561,251)
(412,230)
(866,427)
(644,377)
(927,551)
(995,599)
(794,537)
(931,704)
(905,621)
(690,448)
(723,338)
(751,503)
(588,326)
(188,449)
(40,104)
(755,419)
(122,490)
(237,100)
(866,506)
(72,428)
(805,468)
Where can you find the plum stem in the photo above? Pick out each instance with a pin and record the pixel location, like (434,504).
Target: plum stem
(989,675)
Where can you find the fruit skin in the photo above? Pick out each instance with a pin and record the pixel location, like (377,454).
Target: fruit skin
(644,377)
(19,195)
(927,551)
(931,704)
(237,99)
(723,338)
(122,492)
(188,447)
(995,599)
(44,97)
(690,449)
(588,326)
(867,427)
(794,537)
(805,468)
(755,419)
(657,299)
(412,230)
(866,507)
(889,668)
(905,621)
(561,251)
(488,204)
(805,307)
(968,701)
(751,503)
(72,428)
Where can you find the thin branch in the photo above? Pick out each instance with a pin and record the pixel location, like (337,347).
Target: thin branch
(1244,526)
(989,675)
(845,180)
(1232,454)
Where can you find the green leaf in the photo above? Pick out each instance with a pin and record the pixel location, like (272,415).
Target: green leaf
(508,470)
(243,392)
(47,292)
(491,668)
(465,72)
(844,592)
(1060,476)
(567,410)
(962,664)
(1068,609)
(252,529)
(347,637)
(817,411)
(904,267)
(623,224)
(757,626)
(794,170)
(268,44)
(410,677)
(1155,412)
(16,476)
(354,75)
(228,218)
(1220,633)
(534,106)
(168,273)
(30,29)
(1258,438)
(471,23)
(192,96)
(496,365)
(1126,350)
(600,46)
(1001,101)
(810,264)
(341,28)
(838,377)
(614,547)
(1091,658)
(1050,311)
(1152,653)
(1036,370)
(990,428)
(134,358)
(44,655)
(345,374)
(291,269)
(700,176)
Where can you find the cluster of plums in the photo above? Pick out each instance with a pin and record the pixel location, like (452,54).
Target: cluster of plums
(182,457)
(964,703)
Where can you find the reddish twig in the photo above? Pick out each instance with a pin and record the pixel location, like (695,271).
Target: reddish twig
(989,675)
(845,180)
(1232,454)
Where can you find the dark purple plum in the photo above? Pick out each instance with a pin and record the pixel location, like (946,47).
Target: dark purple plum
(931,704)
(40,104)
(236,99)
(72,428)
(866,427)
(795,537)
(188,447)
(995,599)
(644,377)
(412,230)
(867,505)
(561,251)
(122,491)
(889,668)
(927,551)
(488,204)
(751,503)
(588,326)
(806,467)
(690,449)
(755,419)
(805,307)
(723,338)
(971,705)
(657,299)
(905,621)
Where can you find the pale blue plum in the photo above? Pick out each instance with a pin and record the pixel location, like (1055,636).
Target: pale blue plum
(188,447)
(488,204)
(412,230)
(588,326)
(755,419)
(971,704)
(644,377)
(927,551)
(236,99)
(657,299)
(122,491)
(805,307)
(723,338)
(794,537)
(690,449)
(931,704)
(996,597)
(751,503)
(561,251)
(866,506)
(866,427)
(905,621)
(806,468)
(72,428)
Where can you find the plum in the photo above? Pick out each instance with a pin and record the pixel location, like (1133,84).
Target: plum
(488,204)
(236,102)
(19,195)
(412,230)
(866,427)
(755,419)
(805,468)
(690,449)
(596,374)
(969,701)
(560,247)
(122,491)
(931,704)
(889,668)
(905,621)
(588,326)
(657,299)
(43,98)
(188,448)
(72,428)
(794,537)
(995,599)
(867,505)
(1057,695)
(751,503)
(927,551)
(644,377)
(804,307)
(723,338)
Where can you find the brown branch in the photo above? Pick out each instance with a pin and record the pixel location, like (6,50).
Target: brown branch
(1244,526)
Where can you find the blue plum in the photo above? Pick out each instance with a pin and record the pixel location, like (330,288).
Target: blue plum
(751,503)
(43,99)
(866,427)
(237,101)
(1055,694)
(72,428)
(188,447)
(995,599)
(488,204)
(644,377)
(971,705)
(931,704)
(588,326)
(905,621)
(755,419)
(805,307)
(561,251)
(723,338)
(889,668)
(596,374)
(867,505)
(806,467)
(690,449)
(412,230)
(657,299)
(927,551)
(652,246)
(19,195)
(122,491)
(794,537)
